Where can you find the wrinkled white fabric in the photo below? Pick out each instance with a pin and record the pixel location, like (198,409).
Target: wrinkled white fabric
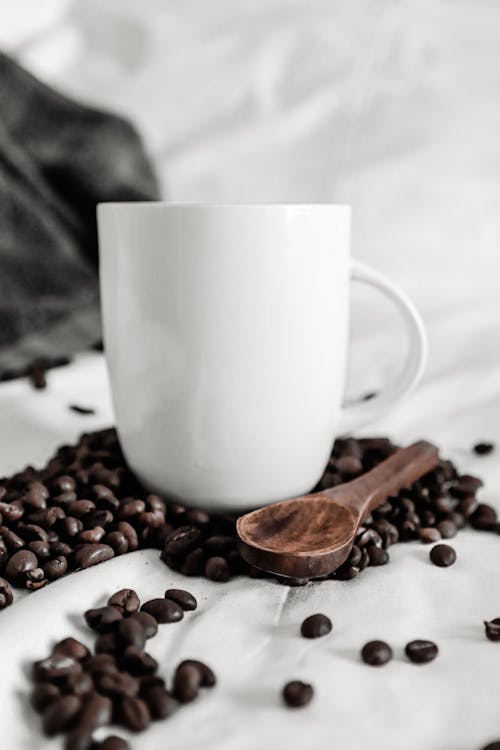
(393,106)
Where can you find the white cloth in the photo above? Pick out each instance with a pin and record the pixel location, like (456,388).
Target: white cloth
(393,106)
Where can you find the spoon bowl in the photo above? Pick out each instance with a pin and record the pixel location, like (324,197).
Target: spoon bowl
(311,536)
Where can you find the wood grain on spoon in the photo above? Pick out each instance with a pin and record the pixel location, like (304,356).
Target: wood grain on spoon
(311,536)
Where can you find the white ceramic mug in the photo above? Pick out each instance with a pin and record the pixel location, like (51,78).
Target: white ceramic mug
(226,333)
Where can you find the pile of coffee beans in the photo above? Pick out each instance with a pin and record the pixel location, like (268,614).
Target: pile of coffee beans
(85,507)
(78,691)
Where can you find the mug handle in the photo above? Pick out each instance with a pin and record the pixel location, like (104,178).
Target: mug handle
(357,414)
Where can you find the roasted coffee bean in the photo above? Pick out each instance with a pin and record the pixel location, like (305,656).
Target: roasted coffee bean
(55,568)
(4,554)
(217,569)
(444,505)
(19,564)
(163,610)
(316,626)
(429,535)
(54,667)
(36,495)
(80,508)
(103,619)
(13,542)
(11,512)
(447,529)
(349,466)
(63,483)
(92,536)
(131,508)
(148,681)
(118,684)
(44,694)
(456,518)
(378,555)
(60,548)
(107,643)
(138,662)
(71,526)
(30,532)
(131,633)
(207,677)
(134,713)
(153,518)
(484,518)
(112,743)
(130,535)
(92,554)
(182,540)
(194,562)
(376,653)
(443,555)
(80,684)
(98,518)
(60,713)
(187,681)
(103,663)
(148,623)
(125,600)
(184,599)
(466,485)
(483,449)
(492,629)
(297,694)
(420,652)
(117,541)
(6,597)
(71,647)
(160,702)
(96,712)
(35,576)
(78,739)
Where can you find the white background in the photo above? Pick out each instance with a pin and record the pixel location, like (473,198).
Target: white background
(391,106)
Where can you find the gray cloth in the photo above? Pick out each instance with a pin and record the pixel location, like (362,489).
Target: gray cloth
(58,159)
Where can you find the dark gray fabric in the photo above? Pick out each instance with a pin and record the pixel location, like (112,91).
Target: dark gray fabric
(58,159)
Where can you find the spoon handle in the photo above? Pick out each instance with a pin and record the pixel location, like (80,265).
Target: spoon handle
(398,471)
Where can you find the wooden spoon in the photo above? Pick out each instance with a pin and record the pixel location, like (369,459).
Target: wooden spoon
(311,536)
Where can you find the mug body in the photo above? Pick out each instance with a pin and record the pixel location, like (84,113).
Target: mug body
(225,330)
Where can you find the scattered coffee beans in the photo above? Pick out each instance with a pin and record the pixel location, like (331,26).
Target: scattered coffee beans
(316,626)
(421,652)
(297,694)
(492,629)
(376,653)
(78,692)
(443,555)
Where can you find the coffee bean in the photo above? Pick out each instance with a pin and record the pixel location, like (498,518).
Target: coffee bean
(107,643)
(71,526)
(43,695)
(421,652)
(163,610)
(71,647)
(447,529)
(349,466)
(125,600)
(117,541)
(429,535)
(466,485)
(147,622)
(207,677)
(443,555)
(184,599)
(187,681)
(134,713)
(131,508)
(92,536)
(60,713)
(376,653)
(78,739)
(118,684)
(92,554)
(131,633)
(217,569)
(138,662)
(80,508)
(19,564)
(11,512)
(36,495)
(80,684)
(483,449)
(160,702)
(182,540)
(130,535)
(194,562)
(96,712)
(12,541)
(492,629)
(484,518)
(103,663)
(378,556)
(316,626)
(6,596)
(113,743)
(54,667)
(55,568)
(98,518)
(297,694)
(103,619)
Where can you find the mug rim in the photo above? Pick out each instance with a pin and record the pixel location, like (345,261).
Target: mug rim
(208,205)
